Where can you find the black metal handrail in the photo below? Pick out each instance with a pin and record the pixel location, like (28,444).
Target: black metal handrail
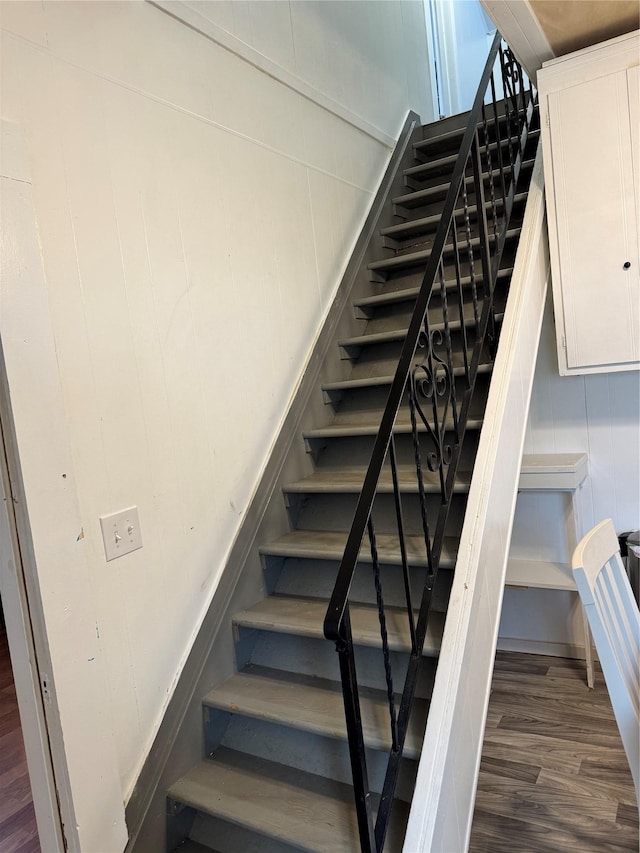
(490,158)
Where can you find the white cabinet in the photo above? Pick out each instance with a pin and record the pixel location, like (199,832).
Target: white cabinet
(590,119)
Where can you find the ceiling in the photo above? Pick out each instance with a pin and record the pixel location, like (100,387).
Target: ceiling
(573,24)
(538,30)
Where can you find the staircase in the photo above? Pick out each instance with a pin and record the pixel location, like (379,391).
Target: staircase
(278,774)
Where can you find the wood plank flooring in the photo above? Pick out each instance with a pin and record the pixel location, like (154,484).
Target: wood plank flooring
(553,775)
(18,833)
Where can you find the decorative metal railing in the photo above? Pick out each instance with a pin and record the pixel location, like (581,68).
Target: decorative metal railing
(456,297)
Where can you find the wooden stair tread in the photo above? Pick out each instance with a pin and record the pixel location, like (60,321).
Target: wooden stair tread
(330,545)
(415,258)
(342,429)
(436,164)
(390,297)
(349,480)
(434,220)
(393,335)
(455,134)
(425,224)
(314,705)
(305,617)
(374,338)
(417,198)
(449,160)
(311,812)
(375,381)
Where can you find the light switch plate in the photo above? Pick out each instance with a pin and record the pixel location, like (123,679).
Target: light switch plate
(121,532)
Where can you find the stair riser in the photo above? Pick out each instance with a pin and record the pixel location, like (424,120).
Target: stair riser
(317,657)
(316,578)
(412,204)
(334,512)
(421,240)
(413,258)
(421,175)
(395,318)
(313,753)
(435,142)
(374,398)
(405,277)
(424,243)
(392,299)
(357,451)
(224,837)
(416,256)
(379,359)
(179,824)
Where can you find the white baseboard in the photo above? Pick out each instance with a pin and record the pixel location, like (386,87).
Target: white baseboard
(541,647)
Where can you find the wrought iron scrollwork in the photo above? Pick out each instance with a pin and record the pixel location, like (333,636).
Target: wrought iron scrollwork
(510,65)
(432,382)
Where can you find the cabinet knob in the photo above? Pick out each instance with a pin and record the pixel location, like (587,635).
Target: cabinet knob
(626,265)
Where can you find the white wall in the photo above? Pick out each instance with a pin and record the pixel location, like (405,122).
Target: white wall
(597,414)
(194,215)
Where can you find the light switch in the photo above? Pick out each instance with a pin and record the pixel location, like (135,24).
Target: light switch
(121,532)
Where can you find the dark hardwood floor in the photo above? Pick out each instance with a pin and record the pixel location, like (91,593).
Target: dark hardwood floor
(554,776)
(18,833)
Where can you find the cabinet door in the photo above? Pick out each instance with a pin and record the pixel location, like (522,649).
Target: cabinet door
(597,229)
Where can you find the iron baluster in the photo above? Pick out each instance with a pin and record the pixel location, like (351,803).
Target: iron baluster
(512,74)
(463,327)
(487,146)
(413,403)
(484,239)
(449,350)
(499,144)
(403,548)
(358,759)
(383,634)
(506,88)
(519,86)
(472,266)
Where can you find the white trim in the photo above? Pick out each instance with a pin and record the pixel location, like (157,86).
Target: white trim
(442,806)
(434,64)
(20,624)
(445,34)
(188,16)
(541,647)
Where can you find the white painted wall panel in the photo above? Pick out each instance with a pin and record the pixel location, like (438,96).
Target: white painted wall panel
(194,216)
(339,53)
(25,20)
(72,679)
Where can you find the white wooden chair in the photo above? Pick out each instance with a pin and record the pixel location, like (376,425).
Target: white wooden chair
(615,624)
